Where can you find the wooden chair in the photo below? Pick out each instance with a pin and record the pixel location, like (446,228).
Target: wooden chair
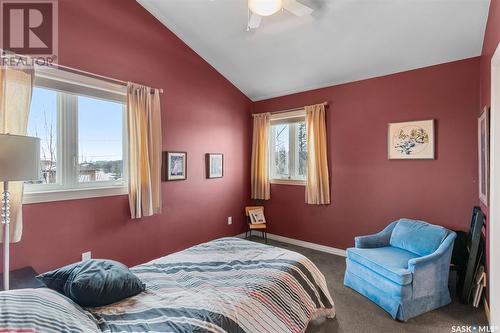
(262,227)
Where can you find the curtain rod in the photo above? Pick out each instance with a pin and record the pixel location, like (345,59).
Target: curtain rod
(79,71)
(291,110)
(98,76)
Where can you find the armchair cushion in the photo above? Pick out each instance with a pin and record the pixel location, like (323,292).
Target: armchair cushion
(388,261)
(390,288)
(418,237)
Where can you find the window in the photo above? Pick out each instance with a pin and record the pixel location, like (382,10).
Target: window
(100,143)
(42,123)
(288,148)
(81,123)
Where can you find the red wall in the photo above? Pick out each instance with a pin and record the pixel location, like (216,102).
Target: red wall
(368,190)
(201,112)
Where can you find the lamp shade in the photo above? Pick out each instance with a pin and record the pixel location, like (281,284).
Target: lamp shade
(19,158)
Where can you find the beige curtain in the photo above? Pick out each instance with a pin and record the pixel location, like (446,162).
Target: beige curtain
(16,87)
(144,153)
(318,186)
(260,170)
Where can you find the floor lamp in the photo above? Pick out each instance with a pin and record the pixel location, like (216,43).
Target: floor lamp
(19,161)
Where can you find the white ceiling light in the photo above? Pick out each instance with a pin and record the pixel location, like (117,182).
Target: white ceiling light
(265,7)
(257,9)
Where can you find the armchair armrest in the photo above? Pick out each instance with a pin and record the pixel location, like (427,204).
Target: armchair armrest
(379,239)
(430,272)
(446,245)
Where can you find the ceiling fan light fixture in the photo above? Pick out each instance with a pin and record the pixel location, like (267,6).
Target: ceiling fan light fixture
(265,7)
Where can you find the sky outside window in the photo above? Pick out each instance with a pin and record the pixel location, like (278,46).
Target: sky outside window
(100,139)
(100,136)
(42,123)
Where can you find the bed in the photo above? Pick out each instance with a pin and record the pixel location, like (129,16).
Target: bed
(228,285)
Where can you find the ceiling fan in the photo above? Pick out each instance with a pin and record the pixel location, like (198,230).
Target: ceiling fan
(257,9)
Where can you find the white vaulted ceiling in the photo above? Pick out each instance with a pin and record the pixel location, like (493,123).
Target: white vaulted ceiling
(342,41)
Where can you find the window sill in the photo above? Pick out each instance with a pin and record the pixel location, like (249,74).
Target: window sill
(73,194)
(288,182)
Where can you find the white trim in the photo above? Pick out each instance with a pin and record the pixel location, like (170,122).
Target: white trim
(308,245)
(494,216)
(294,118)
(61,80)
(289,114)
(67,179)
(73,194)
(288,182)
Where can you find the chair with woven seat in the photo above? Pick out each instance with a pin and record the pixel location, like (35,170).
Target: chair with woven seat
(404,268)
(262,227)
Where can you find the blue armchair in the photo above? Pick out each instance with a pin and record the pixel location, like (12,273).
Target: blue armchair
(404,268)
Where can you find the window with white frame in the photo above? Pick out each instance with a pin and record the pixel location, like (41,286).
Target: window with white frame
(288,148)
(81,123)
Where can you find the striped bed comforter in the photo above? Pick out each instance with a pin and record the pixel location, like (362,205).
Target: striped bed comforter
(226,285)
(42,310)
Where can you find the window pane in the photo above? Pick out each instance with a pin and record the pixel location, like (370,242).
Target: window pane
(302,150)
(100,145)
(42,123)
(281,151)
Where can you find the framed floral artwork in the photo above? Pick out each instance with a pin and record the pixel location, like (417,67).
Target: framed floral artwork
(411,140)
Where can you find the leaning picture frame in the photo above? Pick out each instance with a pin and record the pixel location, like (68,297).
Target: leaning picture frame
(257,216)
(483,132)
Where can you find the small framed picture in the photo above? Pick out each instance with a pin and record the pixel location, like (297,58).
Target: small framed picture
(176,165)
(483,130)
(257,216)
(214,165)
(411,140)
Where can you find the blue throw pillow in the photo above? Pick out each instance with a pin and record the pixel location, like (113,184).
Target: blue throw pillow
(94,282)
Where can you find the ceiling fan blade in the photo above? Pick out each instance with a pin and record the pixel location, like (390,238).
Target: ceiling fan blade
(296,8)
(254,21)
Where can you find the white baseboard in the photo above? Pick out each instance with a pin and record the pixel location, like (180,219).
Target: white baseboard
(309,245)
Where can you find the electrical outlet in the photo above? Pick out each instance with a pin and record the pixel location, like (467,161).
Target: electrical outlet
(86,255)
(230,220)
